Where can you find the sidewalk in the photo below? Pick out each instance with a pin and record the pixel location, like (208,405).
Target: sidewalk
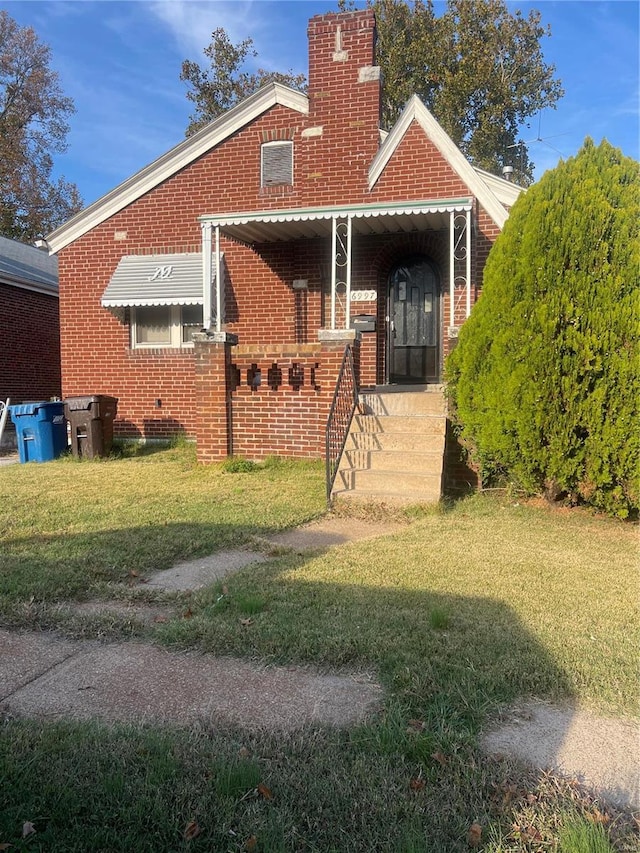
(45,676)
(42,675)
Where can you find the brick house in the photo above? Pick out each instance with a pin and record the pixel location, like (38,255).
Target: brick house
(286,229)
(29,323)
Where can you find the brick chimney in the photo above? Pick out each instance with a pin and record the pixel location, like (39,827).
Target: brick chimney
(344,87)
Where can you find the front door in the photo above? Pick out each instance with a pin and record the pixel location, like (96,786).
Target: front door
(414,323)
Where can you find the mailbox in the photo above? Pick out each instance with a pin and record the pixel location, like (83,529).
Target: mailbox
(363,322)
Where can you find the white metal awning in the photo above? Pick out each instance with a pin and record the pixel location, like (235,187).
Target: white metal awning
(174,279)
(305,223)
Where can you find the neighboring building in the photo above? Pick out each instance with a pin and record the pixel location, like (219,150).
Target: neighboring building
(274,228)
(29,324)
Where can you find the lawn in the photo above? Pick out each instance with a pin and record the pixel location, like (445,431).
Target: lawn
(468,608)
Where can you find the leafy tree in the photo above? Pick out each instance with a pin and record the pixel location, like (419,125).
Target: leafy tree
(216,90)
(33,124)
(545,381)
(478,67)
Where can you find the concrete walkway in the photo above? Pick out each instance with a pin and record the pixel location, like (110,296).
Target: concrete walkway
(600,752)
(42,675)
(45,676)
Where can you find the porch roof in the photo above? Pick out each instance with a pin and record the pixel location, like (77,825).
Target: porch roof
(304,223)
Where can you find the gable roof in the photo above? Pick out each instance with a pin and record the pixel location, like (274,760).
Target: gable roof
(27,267)
(492,192)
(176,159)
(475,180)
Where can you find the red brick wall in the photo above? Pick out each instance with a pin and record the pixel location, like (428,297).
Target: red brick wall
(30,345)
(261,306)
(276,402)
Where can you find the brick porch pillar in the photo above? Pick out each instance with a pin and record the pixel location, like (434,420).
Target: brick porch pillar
(332,344)
(213,394)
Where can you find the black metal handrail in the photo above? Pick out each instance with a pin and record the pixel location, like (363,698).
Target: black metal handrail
(345,400)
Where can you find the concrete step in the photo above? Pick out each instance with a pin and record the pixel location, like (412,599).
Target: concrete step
(393,498)
(417,402)
(429,442)
(393,460)
(395,448)
(414,488)
(411,424)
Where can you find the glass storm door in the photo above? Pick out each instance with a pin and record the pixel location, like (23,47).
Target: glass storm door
(414,323)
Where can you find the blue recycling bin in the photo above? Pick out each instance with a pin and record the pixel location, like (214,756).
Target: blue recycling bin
(41,430)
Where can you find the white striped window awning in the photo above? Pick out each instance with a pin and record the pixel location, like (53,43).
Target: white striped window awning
(174,279)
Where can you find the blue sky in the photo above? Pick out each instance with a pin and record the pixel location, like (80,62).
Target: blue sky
(120,62)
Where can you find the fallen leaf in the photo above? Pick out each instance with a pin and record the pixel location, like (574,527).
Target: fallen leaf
(440,758)
(27,828)
(225,591)
(192,830)
(243,752)
(246,622)
(598,817)
(416,784)
(160,618)
(133,573)
(530,833)
(414,726)
(474,835)
(531,799)
(188,613)
(250,844)
(264,792)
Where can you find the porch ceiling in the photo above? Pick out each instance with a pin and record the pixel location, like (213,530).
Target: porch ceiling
(300,224)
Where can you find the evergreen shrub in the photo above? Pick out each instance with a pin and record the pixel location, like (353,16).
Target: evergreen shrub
(545,381)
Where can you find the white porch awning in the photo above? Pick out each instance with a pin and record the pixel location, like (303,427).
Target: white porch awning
(305,223)
(174,279)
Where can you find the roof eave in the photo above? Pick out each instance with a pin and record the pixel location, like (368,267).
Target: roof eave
(35,286)
(175,159)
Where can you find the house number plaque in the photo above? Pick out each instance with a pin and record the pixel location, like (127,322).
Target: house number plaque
(363,296)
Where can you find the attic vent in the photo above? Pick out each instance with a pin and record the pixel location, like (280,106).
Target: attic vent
(277,163)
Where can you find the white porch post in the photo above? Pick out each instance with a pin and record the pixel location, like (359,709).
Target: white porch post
(219,288)
(341,231)
(452,267)
(468,259)
(347,312)
(206,274)
(333,270)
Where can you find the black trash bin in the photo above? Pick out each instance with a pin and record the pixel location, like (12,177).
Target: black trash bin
(91,424)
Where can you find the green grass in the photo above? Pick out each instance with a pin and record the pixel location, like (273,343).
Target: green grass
(579,836)
(69,529)
(464,610)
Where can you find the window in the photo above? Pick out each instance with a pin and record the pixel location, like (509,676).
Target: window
(164,325)
(190,321)
(277,163)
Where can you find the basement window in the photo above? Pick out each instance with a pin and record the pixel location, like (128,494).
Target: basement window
(154,326)
(276,164)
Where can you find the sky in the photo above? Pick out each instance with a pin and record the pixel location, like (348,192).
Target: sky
(120,63)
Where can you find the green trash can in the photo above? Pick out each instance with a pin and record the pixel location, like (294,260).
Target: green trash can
(91,424)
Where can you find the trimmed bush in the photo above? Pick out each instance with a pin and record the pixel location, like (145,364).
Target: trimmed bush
(545,380)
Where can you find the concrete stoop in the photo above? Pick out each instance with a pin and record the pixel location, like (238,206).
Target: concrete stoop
(395,447)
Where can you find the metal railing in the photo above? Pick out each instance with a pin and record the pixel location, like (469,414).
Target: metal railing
(345,400)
